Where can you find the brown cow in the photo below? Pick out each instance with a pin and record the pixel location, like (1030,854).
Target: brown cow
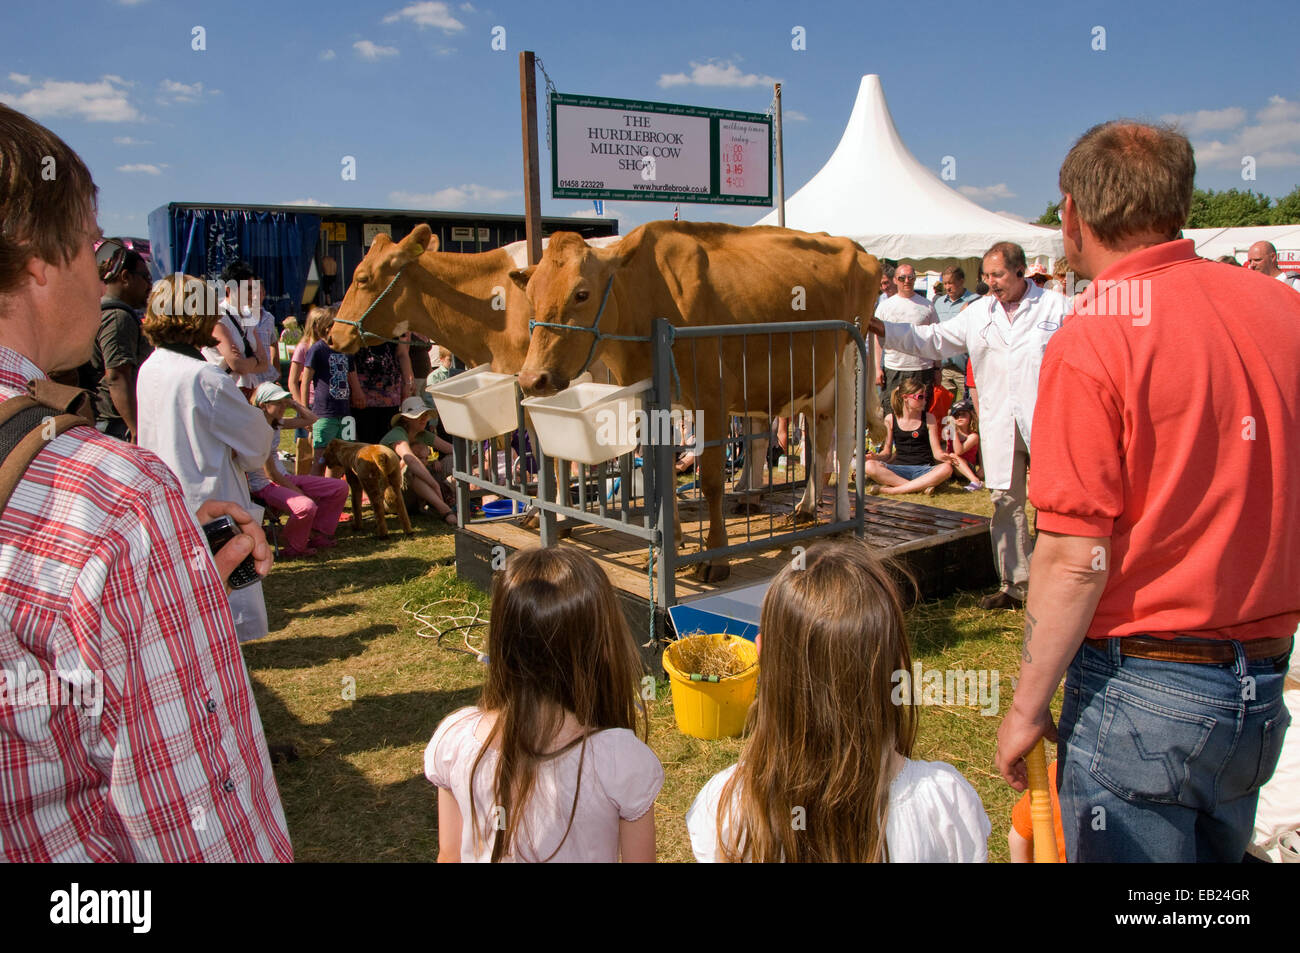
(697,274)
(463,301)
(376,469)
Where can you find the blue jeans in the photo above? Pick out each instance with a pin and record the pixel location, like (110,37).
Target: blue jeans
(1163,761)
(909,471)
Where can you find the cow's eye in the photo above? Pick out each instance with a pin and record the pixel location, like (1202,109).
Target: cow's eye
(581,295)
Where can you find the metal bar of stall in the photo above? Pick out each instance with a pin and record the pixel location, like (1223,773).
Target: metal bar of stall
(665,485)
(658,470)
(460,470)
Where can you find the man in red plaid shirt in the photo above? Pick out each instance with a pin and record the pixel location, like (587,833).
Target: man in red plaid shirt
(128,729)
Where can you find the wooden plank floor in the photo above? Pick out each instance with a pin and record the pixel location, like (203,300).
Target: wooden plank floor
(895,526)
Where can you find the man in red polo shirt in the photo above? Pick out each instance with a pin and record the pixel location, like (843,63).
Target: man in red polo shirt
(1166,576)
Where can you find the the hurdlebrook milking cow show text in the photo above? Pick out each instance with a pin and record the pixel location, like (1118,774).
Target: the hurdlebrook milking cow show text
(875,519)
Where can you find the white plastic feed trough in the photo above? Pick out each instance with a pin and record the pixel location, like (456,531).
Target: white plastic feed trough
(588,423)
(478,404)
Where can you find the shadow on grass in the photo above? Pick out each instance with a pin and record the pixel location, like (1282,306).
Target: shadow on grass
(309,651)
(334,811)
(392,721)
(290,586)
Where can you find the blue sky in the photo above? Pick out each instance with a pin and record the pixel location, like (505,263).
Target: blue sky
(415,92)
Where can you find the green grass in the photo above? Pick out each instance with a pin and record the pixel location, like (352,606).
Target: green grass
(358,791)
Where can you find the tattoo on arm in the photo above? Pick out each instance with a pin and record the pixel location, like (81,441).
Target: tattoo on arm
(1030,622)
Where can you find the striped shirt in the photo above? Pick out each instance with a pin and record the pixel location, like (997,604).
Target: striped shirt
(128,728)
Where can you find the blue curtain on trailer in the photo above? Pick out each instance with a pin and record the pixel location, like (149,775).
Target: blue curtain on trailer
(278,246)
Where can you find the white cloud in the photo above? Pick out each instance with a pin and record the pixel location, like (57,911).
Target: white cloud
(445,51)
(104,101)
(715,73)
(372,51)
(145,167)
(985,193)
(1207,120)
(1273,139)
(792,115)
(129,141)
(22,79)
(428,14)
(1278,110)
(304,202)
(457,196)
(326,55)
(174,91)
(467,7)
(629,215)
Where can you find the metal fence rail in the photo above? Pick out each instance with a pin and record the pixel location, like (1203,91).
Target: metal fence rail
(607,494)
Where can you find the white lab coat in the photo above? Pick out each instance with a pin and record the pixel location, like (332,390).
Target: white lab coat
(194,417)
(1006,356)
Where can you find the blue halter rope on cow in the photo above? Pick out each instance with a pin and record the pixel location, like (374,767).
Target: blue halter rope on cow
(358,324)
(598,336)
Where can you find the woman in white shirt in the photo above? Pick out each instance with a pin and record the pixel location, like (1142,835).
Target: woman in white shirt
(194,417)
(825,774)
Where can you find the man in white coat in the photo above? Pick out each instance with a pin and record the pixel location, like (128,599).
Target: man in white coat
(1005,333)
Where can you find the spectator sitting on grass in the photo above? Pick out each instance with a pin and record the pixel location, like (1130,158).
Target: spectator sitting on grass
(314,503)
(961,444)
(412,442)
(911,460)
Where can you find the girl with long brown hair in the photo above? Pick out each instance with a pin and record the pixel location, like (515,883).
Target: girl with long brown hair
(825,774)
(548,766)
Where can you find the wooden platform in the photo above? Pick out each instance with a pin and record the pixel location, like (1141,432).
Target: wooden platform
(942,549)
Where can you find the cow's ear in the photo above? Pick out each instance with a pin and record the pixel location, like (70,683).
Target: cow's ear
(412,246)
(520,276)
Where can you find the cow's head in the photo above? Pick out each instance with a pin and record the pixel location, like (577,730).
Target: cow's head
(565,289)
(392,316)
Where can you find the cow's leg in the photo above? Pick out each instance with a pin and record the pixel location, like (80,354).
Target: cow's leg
(750,482)
(806,509)
(374,483)
(354,484)
(847,428)
(395,481)
(711,485)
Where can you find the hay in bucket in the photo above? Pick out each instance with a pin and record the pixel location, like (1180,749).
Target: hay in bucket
(710,655)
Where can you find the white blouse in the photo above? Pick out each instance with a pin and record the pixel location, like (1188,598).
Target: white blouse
(621,778)
(194,417)
(935,816)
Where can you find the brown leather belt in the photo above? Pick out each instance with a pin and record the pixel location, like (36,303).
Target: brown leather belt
(1202,651)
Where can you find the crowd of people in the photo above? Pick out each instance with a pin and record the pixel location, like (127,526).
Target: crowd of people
(1157,590)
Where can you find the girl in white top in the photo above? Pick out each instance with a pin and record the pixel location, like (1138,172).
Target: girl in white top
(548,767)
(825,773)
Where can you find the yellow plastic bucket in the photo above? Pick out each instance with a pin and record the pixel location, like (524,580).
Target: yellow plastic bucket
(712,709)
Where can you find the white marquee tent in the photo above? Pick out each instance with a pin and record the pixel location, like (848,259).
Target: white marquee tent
(873,190)
(1213,242)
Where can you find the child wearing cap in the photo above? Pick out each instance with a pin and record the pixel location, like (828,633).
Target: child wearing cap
(962,444)
(312,503)
(411,441)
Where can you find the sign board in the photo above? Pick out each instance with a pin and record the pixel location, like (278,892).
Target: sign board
(369,231)
(1289,259)
(637,151)
(334,231)
(465,233)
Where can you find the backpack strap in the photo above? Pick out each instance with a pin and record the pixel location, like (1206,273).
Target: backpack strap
(30,421)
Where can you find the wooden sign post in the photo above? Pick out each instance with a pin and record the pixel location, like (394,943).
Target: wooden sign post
(532,161)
